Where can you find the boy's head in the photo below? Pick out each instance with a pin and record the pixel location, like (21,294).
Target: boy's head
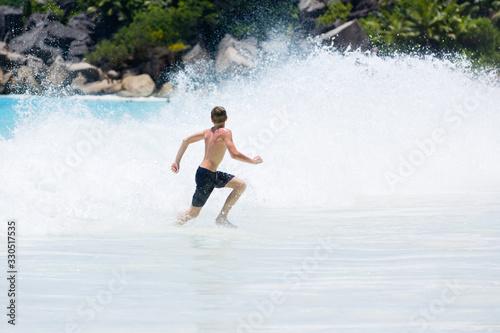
(219,115)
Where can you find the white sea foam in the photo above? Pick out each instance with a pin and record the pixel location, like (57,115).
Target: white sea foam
(330,127)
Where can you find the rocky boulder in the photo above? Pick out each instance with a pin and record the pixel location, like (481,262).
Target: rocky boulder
(236,56)
(24,82)
(11,22)
(137,86)
(198,63)
(8,59)
(350,35)
(196,54)
(113,75)
(90,72)
(79,47)
(99,87)
(38,20)
(48,40)
(321,29)
(34,42)
(311,8)
(40,70)
(158,60)
(82,22)
(4,80)
(58,75)
(166,90)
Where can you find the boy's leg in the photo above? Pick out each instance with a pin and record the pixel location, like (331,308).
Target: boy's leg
(238,187)
(189,214)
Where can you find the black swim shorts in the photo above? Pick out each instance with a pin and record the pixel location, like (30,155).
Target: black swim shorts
(206,181)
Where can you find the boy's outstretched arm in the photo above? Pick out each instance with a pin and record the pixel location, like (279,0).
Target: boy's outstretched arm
(228,138)
(185,143)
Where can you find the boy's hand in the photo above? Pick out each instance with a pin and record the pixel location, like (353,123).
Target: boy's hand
(175,167)
(257,160)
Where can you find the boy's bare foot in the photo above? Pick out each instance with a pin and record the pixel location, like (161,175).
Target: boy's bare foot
(222,221)
(177,224)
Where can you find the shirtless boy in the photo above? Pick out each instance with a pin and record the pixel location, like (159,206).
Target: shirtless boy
(217,140)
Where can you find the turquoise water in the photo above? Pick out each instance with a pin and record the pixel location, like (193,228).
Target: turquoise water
(376,208)
(114,109)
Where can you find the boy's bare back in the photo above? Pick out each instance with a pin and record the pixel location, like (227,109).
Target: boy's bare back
(215,147)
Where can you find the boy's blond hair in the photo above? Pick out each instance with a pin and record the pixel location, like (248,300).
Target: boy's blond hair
(219,115)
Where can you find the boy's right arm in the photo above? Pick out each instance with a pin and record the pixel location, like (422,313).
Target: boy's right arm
(228,138)
(185,143)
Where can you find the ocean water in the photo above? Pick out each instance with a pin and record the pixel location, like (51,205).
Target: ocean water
(376,209)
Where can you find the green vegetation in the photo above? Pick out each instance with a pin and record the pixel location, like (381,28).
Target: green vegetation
(168,25)
(441,26)
(31,7)
(336,10)
(243,18)
(155,30)
(133,29)
(15,3)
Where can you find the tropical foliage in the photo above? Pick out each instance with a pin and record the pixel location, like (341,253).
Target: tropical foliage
(159,27)
(335,10)
(129,28)
(173,25)
(437,26)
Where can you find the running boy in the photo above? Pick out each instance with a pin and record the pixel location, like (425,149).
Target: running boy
(217,140)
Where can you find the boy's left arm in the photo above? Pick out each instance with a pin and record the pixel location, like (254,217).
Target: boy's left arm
(185,143)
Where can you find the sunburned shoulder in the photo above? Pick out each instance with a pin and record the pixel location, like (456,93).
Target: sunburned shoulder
(221,131)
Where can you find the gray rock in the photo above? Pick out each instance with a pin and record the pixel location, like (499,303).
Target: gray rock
(198,64)
(349,35)
(137,86)
(195,54)
(39,67)
(158,60)
(236,56)
(274,48)
(77,50)
(4,81)
(78,81)
(58,75)
(321,29)
(48,40)
(35,63)
(100,87)
(90,72)
(312,8)
(11,22)
(24,82)
(113,75)
(61,36)
(34,42)
(10,60)
(82,22)
(166,90)
(39,20)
